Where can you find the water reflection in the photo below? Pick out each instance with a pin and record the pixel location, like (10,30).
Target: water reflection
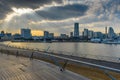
(76,48)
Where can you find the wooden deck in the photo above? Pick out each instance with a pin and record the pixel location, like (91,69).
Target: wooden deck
(19,68)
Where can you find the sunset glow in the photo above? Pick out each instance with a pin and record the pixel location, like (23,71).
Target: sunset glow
(59,16)
(37,33)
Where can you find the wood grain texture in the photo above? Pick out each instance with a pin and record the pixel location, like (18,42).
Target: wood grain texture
(19,68)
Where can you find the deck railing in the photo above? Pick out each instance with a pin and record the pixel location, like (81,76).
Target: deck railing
(15,50)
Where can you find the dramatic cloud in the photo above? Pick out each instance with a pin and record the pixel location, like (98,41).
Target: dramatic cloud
(59,16)
(6,5)
(63,12)
(30,3)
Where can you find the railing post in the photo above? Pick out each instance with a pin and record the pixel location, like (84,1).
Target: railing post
(31,56)
(17,54)
(7,52)
(64,66)
(110,76)
(1,50)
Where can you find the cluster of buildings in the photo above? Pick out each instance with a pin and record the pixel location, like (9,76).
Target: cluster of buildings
(25,34)
(86,35)
(89,34)
(5,36)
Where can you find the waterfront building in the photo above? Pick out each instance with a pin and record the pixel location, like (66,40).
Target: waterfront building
(7,36)
(2,34)
(119,34)
(26,33)
(17,36)
(35,38)
(111,33)
(98,35)
(85,32)
(46,34)
(71,34)
(76,30)
(51,35)
(63,36)
(90,34)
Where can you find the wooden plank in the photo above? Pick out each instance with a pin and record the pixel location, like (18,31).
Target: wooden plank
(12,68)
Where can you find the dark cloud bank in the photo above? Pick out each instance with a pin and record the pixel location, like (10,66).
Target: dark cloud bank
(6,5)
(63,12)
(58,12)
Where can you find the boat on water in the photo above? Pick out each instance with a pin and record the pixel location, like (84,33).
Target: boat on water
(96,40)
(111,41)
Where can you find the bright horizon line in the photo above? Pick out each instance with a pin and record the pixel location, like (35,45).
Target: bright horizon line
(41,32)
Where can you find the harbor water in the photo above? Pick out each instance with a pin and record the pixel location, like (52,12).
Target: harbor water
(79,49)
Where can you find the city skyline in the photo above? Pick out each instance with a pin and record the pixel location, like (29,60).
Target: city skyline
(87,35)
(59,15)
(60,39)
(75,33)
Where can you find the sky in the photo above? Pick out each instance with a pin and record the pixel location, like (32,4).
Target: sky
(59,16)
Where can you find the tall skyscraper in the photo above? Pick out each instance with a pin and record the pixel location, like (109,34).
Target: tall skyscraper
(76,30)
(26,33)
(111,33)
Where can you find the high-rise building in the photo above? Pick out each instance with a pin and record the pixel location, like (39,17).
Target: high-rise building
(76,30)
(46,34)
(90,34)
(85,33)
(111,33)
(26,33)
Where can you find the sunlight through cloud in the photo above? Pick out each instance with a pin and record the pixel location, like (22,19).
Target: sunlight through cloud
(22,10)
